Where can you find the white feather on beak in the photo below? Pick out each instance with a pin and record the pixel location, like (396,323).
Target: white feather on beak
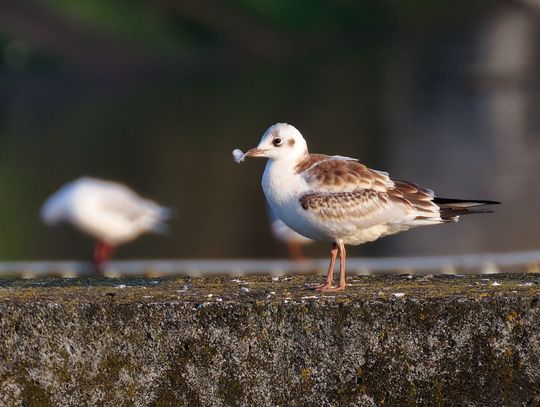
(238,155)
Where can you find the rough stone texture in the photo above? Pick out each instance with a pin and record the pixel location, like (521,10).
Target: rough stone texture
(463,341)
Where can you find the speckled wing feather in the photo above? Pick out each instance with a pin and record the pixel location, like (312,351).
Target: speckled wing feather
(340,174)
(365,206)
(345,190)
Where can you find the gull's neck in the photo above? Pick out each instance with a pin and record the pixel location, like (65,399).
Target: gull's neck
(288,164)
(281,180)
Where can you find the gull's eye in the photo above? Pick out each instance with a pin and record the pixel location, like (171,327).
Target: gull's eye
(277,142)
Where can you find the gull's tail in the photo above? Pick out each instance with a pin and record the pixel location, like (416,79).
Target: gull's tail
(451,209)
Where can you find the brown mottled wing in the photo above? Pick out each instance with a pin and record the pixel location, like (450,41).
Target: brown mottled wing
(347,191)
(364,208)
(412,194)
(337,174)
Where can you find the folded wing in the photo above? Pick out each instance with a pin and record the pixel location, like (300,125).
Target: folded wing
(346,191)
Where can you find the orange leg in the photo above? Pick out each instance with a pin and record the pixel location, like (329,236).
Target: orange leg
(342,260)
(330,276)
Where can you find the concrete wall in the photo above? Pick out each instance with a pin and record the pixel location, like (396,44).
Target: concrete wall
(258,342)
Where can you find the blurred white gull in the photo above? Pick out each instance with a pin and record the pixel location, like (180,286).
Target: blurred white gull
(289,237)
(110,212)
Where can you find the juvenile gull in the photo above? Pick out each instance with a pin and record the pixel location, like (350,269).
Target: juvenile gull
(108,211)
(338,199)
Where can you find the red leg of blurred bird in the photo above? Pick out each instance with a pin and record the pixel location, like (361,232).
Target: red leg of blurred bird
(294,251)
(330,276)
(102,254)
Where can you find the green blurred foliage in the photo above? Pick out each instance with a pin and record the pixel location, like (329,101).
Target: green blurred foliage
(136,20)
(182,29)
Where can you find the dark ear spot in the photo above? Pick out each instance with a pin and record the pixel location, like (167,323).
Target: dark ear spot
(291,142)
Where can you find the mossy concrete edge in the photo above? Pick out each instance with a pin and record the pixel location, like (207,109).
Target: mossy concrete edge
(389,340)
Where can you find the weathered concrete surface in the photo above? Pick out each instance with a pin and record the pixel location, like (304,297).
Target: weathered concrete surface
(447,341)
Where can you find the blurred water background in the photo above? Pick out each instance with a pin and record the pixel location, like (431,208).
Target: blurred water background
(156,94)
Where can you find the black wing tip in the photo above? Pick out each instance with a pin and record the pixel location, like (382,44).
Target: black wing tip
(438,200)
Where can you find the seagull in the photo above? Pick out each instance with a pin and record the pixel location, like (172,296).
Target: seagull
(110,212)
(339,200)
(293,240)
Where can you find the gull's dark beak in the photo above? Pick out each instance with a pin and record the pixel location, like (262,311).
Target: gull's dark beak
(254,152)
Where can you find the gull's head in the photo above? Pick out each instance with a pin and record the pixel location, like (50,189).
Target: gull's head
(280,141)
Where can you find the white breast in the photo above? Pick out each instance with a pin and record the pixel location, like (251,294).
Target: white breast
(283,188)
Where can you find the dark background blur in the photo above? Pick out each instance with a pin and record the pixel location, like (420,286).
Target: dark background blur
(156,94)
